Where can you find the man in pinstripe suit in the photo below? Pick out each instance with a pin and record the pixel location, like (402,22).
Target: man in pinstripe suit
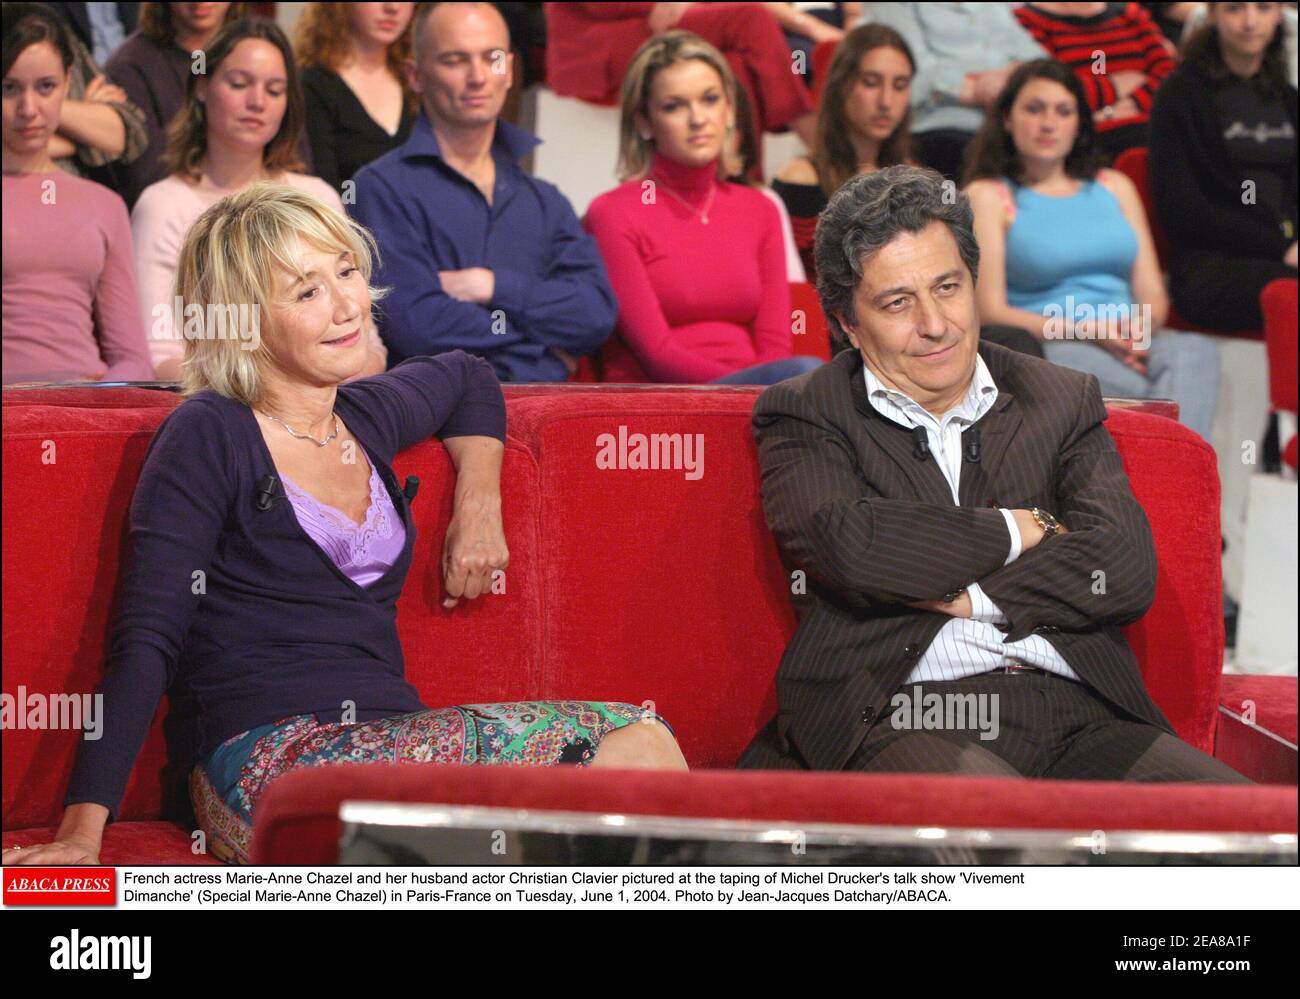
(965,524)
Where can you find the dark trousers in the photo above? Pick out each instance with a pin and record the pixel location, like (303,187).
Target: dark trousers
(1047,726)
(1216,292)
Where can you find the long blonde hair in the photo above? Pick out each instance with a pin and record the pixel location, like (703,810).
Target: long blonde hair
(229,262)
(658,53)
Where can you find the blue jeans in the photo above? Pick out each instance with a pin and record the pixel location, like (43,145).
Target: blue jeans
(1181,366)
(770,372)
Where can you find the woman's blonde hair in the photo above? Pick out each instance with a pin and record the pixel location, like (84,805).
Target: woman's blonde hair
(658,53)
(228,268)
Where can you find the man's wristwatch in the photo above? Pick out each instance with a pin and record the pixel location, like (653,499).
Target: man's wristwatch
(1050,525)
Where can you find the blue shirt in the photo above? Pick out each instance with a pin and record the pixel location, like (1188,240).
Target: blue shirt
(1091,268)
(551,292)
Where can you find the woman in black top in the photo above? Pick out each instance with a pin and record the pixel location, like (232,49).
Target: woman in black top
(1223,167)
(358,106)
(863,125)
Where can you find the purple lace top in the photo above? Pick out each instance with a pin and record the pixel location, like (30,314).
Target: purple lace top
(362,552)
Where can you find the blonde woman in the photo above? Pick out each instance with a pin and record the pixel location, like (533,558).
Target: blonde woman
(241,123)
(273,482)
(697,262)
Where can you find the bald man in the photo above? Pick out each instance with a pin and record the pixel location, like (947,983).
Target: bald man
(479,256)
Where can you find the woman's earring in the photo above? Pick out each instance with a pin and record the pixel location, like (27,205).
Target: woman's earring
(646,138)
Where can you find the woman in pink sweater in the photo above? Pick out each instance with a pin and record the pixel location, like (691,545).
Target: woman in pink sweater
(697,262)
(241,123)
(70,311)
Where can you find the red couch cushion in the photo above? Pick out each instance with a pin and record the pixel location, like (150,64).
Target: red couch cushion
(696,608)
(297,821)
(128,843)
(624,585)
(1257,727)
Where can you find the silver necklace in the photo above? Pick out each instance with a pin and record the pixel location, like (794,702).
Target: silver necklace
(306,437)
(702,215)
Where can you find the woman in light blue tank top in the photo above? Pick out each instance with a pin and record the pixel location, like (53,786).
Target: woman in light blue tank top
(1066,252)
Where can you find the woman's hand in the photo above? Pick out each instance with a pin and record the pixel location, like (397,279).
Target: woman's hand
(101,90)
(475,550)
(1118,340)
(476,544)
(68,850)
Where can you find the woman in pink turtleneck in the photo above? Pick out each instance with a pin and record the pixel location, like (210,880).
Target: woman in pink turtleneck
(698,263)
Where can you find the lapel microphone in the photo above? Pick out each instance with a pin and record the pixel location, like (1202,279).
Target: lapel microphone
(920,444)
(266,491)
(410,488)
(972,450)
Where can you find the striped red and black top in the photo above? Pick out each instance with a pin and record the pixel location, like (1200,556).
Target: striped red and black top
(1122,37)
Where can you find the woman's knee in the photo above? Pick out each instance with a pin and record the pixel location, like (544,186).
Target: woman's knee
(645,744)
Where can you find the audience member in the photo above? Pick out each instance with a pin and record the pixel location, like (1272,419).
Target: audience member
(479,255)
(591,46)
(1119,55)
(100,129)
(153,66)
(807,25)
(353,58)
(697,261)
(1223,167)
(1067,254)
(240,124)
(70,307)
(1290,34)
(101,27)
(862,125)
(964,53)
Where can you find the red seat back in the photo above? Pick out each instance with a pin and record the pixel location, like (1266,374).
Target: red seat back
(823,54)
(811,331)
(1133,164)
(1278,302)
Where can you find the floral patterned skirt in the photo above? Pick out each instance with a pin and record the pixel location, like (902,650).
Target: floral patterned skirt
(224,788)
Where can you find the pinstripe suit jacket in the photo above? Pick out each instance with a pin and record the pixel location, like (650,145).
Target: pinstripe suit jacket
(874,528)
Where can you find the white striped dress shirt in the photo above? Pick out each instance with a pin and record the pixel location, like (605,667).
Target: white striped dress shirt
(965,646)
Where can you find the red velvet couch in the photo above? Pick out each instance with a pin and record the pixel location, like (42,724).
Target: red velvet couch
(639,586)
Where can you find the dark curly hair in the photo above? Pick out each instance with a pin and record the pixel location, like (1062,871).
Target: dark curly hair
(992,153)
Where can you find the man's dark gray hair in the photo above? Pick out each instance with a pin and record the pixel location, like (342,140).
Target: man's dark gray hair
(867,213)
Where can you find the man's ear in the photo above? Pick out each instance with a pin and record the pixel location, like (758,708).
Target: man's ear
(849,331)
